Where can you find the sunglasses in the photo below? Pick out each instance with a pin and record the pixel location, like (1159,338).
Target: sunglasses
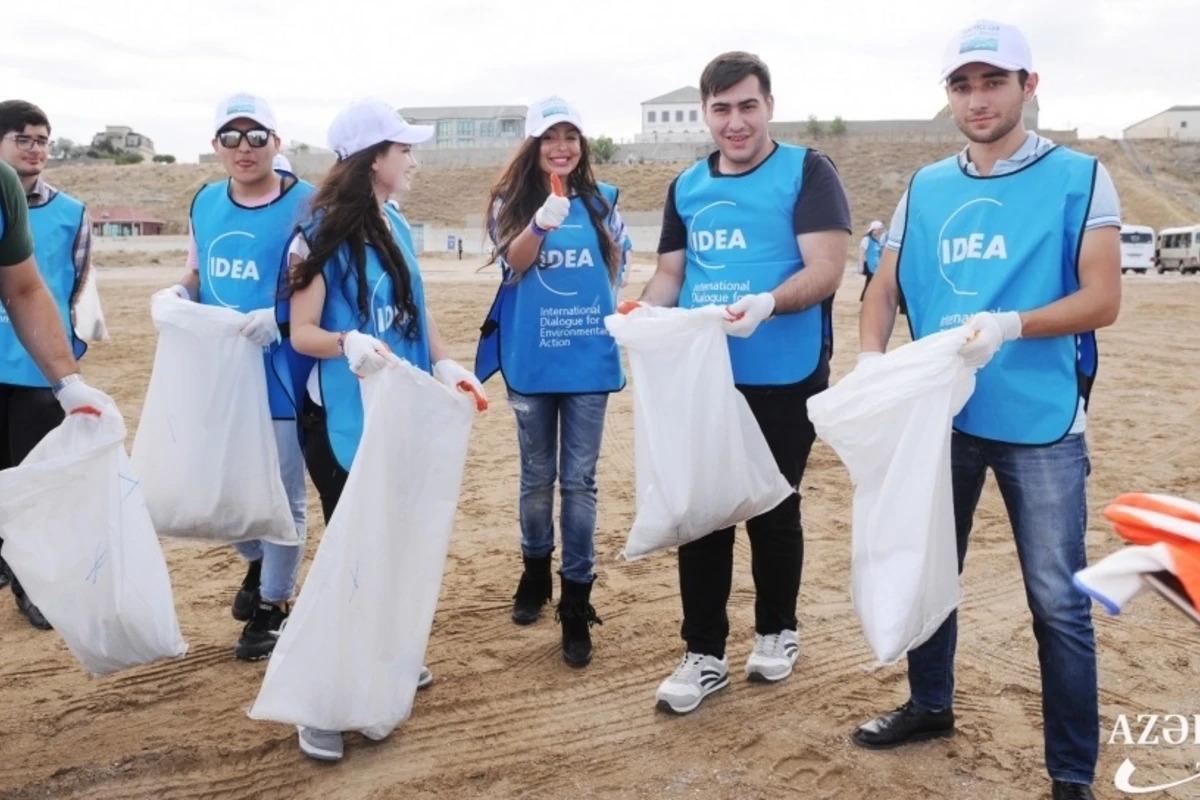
(255,137)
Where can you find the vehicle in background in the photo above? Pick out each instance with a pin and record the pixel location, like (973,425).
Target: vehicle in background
(1137,248)
(1179,248)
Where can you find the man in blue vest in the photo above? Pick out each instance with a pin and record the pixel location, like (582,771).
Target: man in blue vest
(240,229)
(1018,239)
(62,247)
(762,228)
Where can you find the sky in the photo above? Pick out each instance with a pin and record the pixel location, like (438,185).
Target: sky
(162,69)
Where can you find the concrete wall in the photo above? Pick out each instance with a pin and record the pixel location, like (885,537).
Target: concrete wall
(1167,125)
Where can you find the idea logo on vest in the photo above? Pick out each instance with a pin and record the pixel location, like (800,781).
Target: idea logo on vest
(229,258)
(965,246)
(711,237)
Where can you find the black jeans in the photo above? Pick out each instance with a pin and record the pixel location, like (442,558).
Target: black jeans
(326,473)
(27,414)
(776,538)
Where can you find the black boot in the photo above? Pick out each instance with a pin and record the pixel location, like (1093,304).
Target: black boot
(26,606)
(533,592)
(577,616)
(247,597)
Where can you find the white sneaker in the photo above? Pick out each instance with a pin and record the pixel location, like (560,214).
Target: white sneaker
(696,677)
(321,745)
(773,657)
(425,679)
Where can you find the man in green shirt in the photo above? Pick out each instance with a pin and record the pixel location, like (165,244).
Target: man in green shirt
(29,308)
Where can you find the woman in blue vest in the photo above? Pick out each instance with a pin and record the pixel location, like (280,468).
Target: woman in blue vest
(561,244)
(871,249)
(341,331)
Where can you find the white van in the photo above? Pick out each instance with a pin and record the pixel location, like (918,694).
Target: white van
(1137,248)
(1179,248)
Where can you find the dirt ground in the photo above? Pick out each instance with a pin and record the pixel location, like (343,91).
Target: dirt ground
(506,718)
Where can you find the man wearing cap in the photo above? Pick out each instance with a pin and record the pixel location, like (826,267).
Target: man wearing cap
(762,228)
(869,250)
(1016,238)
(240,228)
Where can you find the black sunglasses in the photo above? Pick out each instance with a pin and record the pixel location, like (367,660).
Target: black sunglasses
(232,137)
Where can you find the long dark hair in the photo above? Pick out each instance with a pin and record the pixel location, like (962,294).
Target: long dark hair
(522,190)
(348,213)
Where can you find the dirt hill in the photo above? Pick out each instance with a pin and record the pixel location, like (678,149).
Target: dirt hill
(875,174)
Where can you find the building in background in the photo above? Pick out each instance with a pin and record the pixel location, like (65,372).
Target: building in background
(1177,122)
(123,139)
(673,117)
(124,221)
(470,127)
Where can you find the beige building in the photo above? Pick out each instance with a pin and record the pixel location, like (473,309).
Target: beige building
(673,117)
(125,140)
(470,127)
(1177,122)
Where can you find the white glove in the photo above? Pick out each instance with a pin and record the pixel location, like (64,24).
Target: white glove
(176,292)
(744,316)
(553,212)
(366,354)
(79,398)
(989,331)
(866,357)
(260,327)
(456,376)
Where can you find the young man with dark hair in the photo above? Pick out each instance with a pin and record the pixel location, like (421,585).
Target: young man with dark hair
(62,248)
(1016,238)
(761,228)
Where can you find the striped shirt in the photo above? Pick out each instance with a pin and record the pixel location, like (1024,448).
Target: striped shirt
(41,193)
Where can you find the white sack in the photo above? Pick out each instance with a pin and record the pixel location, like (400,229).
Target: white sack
(205,446)
(701,460)
(89,316)
(351,652)
(890,422)
(77,533)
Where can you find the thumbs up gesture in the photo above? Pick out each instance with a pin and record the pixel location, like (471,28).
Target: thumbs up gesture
(556,208)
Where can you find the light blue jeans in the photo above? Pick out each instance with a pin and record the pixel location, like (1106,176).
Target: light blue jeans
(559,437)
(281,563)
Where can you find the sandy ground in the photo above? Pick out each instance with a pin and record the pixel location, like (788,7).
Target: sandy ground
(506,718)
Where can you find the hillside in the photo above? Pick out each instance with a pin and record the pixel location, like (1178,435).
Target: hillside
(875,174)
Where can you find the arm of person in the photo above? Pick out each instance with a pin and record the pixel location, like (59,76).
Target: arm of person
(82,257)
(1096,304)
(437,346)
(665,284)
(522,252)
(877,318)
(308,337)
(190,279)
(35,319)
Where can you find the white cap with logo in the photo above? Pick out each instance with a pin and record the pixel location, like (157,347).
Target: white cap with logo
(244,106)
(548,112)
(987,42)
(369,122)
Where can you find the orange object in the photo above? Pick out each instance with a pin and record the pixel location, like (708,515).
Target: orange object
(1148,519)
(480,403)
(627,306)
(556,185)
(90,410)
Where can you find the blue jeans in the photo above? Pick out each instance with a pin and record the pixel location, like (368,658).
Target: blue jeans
(539,420)
(281,563)
(1044,491)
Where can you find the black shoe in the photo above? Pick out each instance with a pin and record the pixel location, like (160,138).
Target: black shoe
(908,723)
(5,573)
(261,632)
(1072,791)
(26,607)
(247,597)
(533,592)
(577,616)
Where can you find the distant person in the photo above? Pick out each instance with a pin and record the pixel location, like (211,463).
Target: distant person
(787,210)
(261,207)
(354,239)
(561,249)
(869,250)
(460,248)
(281,165)
(1017,238)
(62,236)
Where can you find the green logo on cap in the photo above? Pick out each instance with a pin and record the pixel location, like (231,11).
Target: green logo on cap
(979,43)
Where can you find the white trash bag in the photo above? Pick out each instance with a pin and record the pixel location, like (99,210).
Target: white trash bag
(77,533)
(890,422)
(205,446)
(89,315)
(351,652)
(701,460)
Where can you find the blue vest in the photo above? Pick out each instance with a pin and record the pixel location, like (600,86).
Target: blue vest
(55,226)
(874,251)
(241,253)
(545,331)
(741,241)
(341,394)
(1004,243)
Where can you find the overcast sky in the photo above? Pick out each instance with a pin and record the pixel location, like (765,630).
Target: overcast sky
(161,66)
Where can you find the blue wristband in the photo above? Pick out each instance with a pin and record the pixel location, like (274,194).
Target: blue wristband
(537,231)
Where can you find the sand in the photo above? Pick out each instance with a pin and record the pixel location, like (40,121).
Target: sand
(506,718)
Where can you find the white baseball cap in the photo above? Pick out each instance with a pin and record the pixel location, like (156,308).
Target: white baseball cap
(281,164)
(987,42)
(876,225)
(244,106)
(367,123)
(548,112)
